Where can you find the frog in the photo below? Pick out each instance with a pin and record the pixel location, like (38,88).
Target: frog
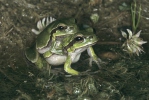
(72,47)
(49,37)
(63,47)
(57,28)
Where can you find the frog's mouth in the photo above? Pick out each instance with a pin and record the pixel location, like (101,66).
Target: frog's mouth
(88,45)
(92,43)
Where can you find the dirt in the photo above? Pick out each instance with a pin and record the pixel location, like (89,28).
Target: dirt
(123,78)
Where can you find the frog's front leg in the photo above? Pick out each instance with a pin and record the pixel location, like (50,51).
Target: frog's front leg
(56,48)
(67,67)
(93,57)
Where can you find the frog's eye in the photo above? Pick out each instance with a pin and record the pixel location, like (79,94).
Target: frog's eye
(61,27)
(79,38)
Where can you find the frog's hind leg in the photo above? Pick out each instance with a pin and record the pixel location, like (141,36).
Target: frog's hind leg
(33,56)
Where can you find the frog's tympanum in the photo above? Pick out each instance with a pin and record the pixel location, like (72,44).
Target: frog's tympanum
(62,43)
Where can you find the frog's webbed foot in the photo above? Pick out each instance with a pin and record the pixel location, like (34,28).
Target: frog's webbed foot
(93,57)
(98,61)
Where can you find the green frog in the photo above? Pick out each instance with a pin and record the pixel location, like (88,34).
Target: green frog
(49,36)
(72,47)
(60,42)
(53,32)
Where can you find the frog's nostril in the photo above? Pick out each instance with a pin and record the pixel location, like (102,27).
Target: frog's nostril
(91,37)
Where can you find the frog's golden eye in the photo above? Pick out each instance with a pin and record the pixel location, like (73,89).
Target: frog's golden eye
(79,38)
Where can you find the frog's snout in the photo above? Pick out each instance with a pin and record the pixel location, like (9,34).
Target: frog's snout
(71,28)
(91,37)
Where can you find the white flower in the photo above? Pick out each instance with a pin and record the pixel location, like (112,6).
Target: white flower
(41,24)
(133,43)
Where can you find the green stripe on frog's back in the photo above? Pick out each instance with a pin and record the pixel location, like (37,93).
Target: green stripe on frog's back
(45,36)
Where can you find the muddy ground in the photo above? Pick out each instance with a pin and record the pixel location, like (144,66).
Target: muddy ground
(122,76)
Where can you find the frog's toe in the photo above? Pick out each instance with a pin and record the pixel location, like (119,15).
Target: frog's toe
(85,72)
(97,61)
